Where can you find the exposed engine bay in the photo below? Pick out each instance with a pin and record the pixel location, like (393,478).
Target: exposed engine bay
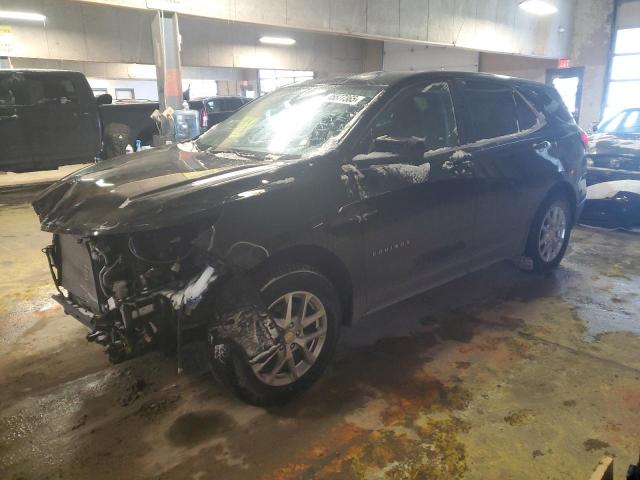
(141,290)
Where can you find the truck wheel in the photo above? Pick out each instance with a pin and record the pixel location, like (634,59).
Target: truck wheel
(306,310)
(549,234)
(116,138)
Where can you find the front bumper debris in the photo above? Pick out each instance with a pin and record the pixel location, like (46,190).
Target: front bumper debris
(84,316)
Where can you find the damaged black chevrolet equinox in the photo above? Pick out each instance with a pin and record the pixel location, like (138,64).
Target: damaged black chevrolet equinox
(308,209)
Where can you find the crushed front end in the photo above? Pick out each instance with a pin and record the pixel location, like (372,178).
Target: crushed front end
(142,290)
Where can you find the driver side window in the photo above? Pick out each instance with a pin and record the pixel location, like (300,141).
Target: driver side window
(425,112)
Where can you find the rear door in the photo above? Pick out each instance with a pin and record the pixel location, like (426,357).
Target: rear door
(514,155)
(15,153)
(64,119)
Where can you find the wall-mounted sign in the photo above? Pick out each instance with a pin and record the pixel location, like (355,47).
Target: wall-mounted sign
(564,63)
(6,40)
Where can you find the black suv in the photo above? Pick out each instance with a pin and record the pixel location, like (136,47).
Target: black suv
(308,209)
(213,110)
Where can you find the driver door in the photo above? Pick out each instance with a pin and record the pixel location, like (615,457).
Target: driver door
(417,209)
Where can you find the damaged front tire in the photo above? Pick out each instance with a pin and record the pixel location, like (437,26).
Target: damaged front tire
(305,310)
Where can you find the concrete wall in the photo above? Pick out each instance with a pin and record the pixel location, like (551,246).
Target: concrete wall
(590,49)
(497,25)
(521,67)
(208,42)
(402,56)
(101,34)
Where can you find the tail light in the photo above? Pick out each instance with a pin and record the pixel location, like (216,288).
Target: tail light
(204,119)
(585,139)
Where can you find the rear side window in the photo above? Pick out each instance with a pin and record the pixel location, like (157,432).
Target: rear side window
(527,118)
(213,106)
(58,90)
(492,110)
(231,104)
(39,90)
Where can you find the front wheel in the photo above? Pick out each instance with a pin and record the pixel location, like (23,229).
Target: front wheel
(549,235)
(306,310)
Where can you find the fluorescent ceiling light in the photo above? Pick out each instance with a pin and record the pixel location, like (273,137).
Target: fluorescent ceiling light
(33,17)
(538,7)
(277,40)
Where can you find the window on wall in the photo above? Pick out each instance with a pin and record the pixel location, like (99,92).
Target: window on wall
(125,94)
(272,79)
(624,81)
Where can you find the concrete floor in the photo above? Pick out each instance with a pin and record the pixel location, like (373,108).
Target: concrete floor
(499,375)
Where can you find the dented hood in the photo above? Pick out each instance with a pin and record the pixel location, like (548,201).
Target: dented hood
(153,189)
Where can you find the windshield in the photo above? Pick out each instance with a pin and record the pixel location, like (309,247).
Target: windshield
(627,121)
(294,120)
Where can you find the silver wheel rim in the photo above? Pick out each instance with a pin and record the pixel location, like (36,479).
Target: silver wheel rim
(301,320)
(552,233)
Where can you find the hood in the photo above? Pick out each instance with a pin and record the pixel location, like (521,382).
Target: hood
(614,144)
(153,189)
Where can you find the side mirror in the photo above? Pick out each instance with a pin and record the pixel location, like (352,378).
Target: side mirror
(104,99)
(405,146)
(388,150)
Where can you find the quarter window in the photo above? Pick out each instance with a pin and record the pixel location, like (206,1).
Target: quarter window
(492,110)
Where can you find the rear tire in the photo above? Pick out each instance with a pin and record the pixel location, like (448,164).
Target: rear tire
(549,234)
(299,362)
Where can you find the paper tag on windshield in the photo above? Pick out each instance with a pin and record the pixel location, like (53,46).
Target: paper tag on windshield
(344,98)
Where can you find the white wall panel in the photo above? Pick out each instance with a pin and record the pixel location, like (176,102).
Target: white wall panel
(383,18)
(414,18)
(407,57)
(348,16)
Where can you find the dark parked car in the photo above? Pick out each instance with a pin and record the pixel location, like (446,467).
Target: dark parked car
(213,110)
(50,118)
(614,149)
(310,208)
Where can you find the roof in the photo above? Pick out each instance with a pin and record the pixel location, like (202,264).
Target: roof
(35,70)
(389,79)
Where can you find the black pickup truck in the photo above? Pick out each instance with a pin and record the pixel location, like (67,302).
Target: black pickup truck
(50,118)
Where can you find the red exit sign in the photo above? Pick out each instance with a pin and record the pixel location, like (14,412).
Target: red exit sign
(564,63)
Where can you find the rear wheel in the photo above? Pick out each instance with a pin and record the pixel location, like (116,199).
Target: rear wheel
(549,234)
(306,310)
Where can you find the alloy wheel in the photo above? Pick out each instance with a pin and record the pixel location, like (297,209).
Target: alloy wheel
(552,233)
(301,320)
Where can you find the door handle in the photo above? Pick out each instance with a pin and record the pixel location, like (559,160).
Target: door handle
(10,117)
(348,215)
(364,217)
(83,114)
(546,145)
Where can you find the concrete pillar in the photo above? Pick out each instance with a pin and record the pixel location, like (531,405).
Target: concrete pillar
(166,53)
